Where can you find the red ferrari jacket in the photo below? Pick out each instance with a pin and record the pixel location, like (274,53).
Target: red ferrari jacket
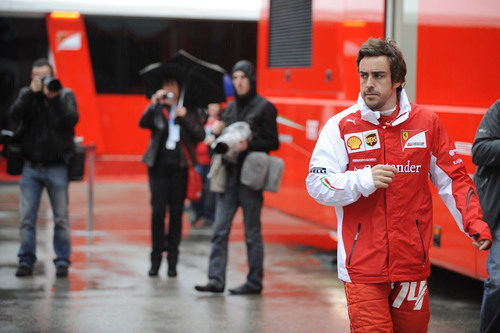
(384,234)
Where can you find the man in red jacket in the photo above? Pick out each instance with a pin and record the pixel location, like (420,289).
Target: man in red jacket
(371,163)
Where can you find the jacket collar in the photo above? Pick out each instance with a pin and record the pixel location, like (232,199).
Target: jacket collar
(372,116)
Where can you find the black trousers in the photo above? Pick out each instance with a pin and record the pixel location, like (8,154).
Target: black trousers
(167,184)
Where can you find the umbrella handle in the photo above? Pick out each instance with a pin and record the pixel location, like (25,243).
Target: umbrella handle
(181,96)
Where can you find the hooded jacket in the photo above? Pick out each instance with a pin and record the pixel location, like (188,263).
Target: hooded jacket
(258,112)
(384,234)
(486,155)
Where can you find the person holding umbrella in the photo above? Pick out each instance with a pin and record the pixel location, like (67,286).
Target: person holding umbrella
(175,131)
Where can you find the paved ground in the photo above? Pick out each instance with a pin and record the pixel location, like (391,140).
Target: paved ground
(108,289)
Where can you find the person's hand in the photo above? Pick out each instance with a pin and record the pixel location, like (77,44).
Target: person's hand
(209,139)
(218,126)
(50,94)
(180,112)
(383,175)
(36,85)
(482,245)
(159,98)
(243,145)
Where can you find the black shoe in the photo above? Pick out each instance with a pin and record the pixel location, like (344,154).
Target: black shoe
(210,287)
(23,271)
(245,289)
(171,272)
(172,264)
(62,271)
(153,271)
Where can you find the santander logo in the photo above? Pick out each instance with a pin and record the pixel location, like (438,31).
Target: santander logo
(402,168)
(407,168)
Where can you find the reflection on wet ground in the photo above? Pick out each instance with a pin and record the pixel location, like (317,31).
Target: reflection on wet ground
(108,289)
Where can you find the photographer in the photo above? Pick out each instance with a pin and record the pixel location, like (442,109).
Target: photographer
(175,130)
(44,116)
(260,115)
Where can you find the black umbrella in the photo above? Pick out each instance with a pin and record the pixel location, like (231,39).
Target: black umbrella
(201,82)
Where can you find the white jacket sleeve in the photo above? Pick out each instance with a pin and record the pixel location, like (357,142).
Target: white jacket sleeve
(329,182)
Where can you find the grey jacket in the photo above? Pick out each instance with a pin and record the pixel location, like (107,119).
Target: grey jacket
(192,132)
(486,155)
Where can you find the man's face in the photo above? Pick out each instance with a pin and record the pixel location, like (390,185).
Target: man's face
(173,87)
(40,71)
(241,83)
(377,89)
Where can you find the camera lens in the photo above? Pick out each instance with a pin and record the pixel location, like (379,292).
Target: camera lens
(54,85)
(169,95)
(221,148)
(51,83)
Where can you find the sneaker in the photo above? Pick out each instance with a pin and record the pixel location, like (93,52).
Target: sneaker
(62,271)
(24,271)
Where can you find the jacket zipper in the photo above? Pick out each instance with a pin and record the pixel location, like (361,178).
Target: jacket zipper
(382,129)
(421,241)
(354,244)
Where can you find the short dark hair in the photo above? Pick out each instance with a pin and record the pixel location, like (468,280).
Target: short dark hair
(40,62)
(170,78)
(379,47)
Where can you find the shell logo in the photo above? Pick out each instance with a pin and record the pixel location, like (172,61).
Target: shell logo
(354,142)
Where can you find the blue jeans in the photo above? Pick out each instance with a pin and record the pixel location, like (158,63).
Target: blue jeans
(227,203)
(33,180)
(206,206)
(490,309)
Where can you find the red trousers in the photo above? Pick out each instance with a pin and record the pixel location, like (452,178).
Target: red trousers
(388,307)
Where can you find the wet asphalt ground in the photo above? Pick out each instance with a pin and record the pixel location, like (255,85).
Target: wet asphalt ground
(108,289)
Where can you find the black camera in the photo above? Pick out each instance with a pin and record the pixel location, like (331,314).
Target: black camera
(51,83)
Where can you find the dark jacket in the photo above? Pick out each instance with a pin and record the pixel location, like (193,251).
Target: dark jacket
(45,127)
(192,132)
(486,155)
(261,115)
